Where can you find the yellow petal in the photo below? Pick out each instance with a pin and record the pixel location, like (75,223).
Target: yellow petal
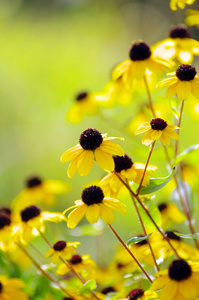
(115,204)
(156,134)
(183,90)
(121,68)
(171,133)
(188,290)
(85,162)
(195,88)
(71,153)
(73,167)
(104,160)
(55,257)
(172,90)
(170,289)
(76,215)
(49,253)
(143,128)
(159,282)
(112,148)
(92,213)
(165,138)
(106,213)
(167,82)
(146,139)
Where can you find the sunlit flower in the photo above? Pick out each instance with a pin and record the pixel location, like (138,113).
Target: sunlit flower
(11,288)
(84,105)
(63,249)
(39,191)
(94,205)
(128,171)
(141,60)
(157,129)
(32,222)
(184,250)
(170,214)
(183,83)
(179,282)
(80,264)
(192,18)
(175,4)
(179,45)
(140,294)
(92,146)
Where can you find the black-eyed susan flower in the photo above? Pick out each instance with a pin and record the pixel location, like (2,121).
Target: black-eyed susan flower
(63,249)
(182,83)
(141,60)
(84,105)
(170,214)
(140,294)
(8,230)
(175,4)
(128,171)
(32,222)
(179,282)
(192,18)
(179,45)
(94,205)
(185,250)
(157,129)
(80,263)
(39,191)
(92,146)
(11,288)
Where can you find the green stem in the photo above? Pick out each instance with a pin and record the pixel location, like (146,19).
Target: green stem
(149,97)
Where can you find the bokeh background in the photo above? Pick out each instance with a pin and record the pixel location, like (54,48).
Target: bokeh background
(50,51)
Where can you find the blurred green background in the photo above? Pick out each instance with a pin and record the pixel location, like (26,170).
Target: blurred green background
(50,51)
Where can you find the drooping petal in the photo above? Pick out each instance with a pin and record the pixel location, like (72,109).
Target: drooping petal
(165,138)
(188,289)
(146,139)
(71,153)
(183,90)
(112,148)
(171,133)
(143,128)
(106,213)
(55,257)
(115,204)
(159,282)
(72,167)
(104,160)
(121,68)
(156,134)
(167,82)
(170,289)
(195,88)
(76,215)
(49,253)
(92,213)
(85,163)
(172,90)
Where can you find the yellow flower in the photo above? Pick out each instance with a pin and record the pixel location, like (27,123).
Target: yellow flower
(39,191)
(94,205)
(141,61)
(11,288)
(179,282)
(192,18)
(175,4)
(140,294)
(128,171)
(179,45)
(157,129)
(63,249)
(183,83)
(79,263)
(84,105)
(170,214)
(92,146)
(32,222)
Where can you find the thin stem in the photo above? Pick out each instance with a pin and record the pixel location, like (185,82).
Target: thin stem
(149,97)
(179,122)
(144,230)
(147,162)
(147,212)
(129,251)
(44,272)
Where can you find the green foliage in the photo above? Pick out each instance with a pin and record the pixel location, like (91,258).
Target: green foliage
(89,286)
(183,155)
(137,239)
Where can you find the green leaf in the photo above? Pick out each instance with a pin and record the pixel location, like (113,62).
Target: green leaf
(137,239)
(90,285)
(180,157)
(187,236)
(156,184)
(154,212)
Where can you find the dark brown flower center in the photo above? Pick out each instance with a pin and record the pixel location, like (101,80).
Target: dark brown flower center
(143,242)
(158,124)
(30,212)
(135,294)
(5,211)
(33,181)
(171,235)
(92,195)
(108,290)
(76,259)
(1,286)
(122,163)
(179,270)
(4,220)
(67,298)
(186,72)
(139,51)
(90,139)
(162,206)
(59,246)
(180,31)
(81,96)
